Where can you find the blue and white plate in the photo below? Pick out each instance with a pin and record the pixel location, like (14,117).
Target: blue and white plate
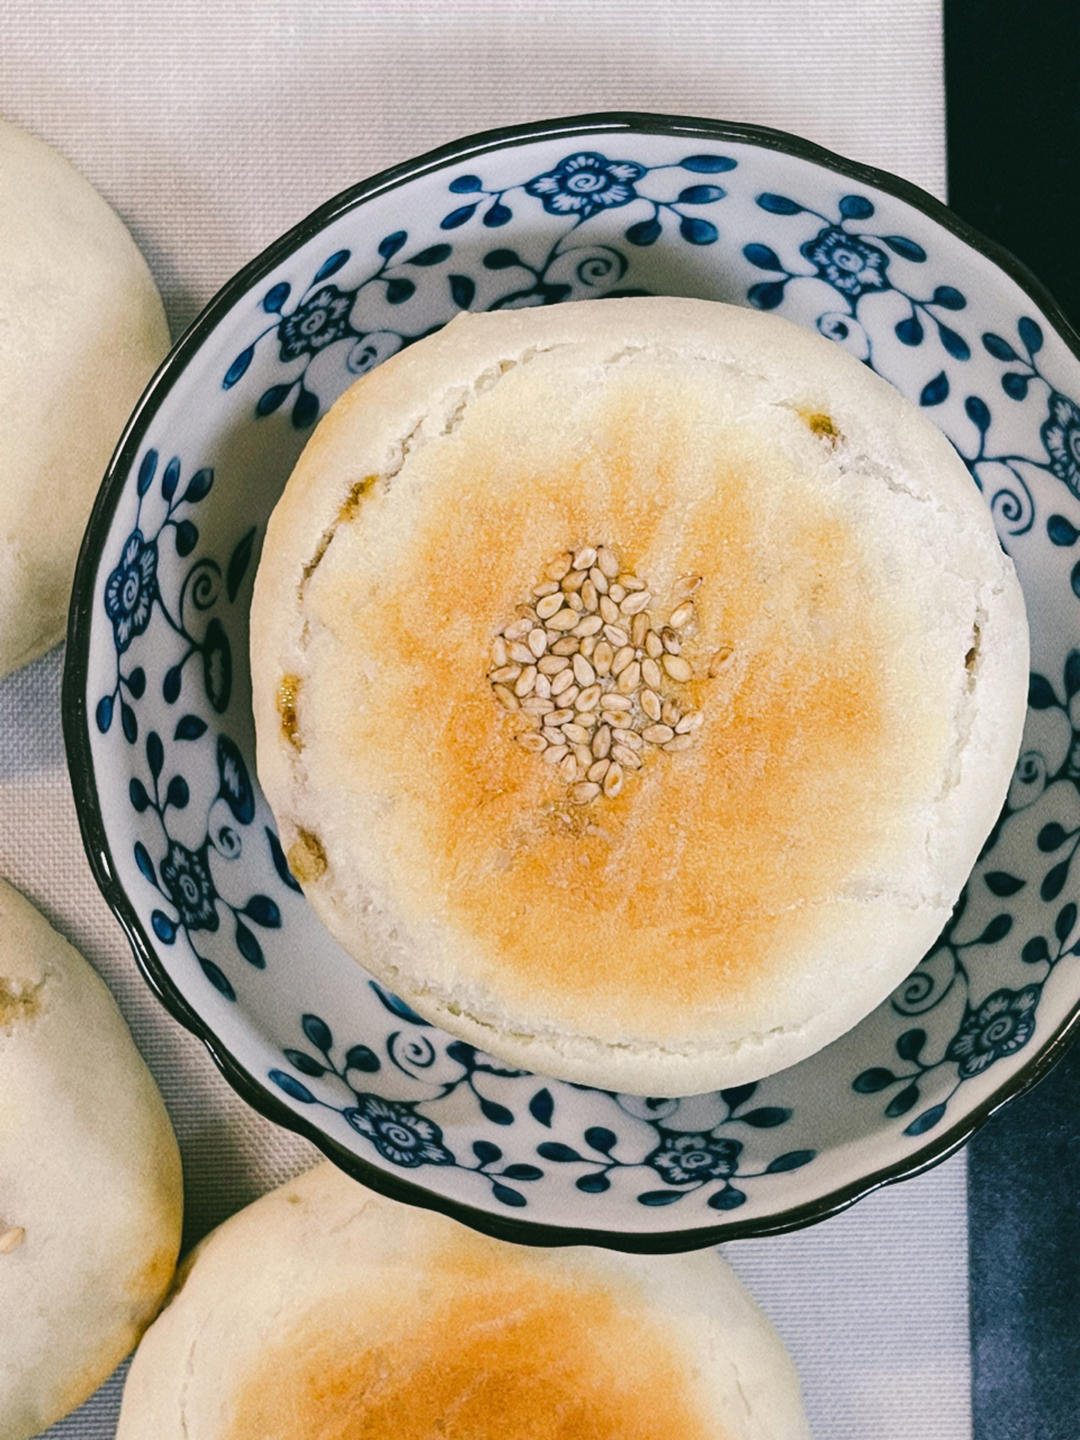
(156,689)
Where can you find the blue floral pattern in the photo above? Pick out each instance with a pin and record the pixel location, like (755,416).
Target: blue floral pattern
(846,262)
(1001,1025)
(1061,435)
(129,590)
(186,877)
(584,183)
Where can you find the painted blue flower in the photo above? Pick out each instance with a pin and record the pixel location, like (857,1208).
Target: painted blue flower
(1061,435)
(186,876)
(397,1132)
(682,1159)
(1001,1025)
(848,263)
(316,323)
(583,184)
(129,590)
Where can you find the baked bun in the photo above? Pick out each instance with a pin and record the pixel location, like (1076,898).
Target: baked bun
(327,1312)
(90,1187)
(837,658)
(81,330)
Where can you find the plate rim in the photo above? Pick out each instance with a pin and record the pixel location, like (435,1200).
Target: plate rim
(75,711)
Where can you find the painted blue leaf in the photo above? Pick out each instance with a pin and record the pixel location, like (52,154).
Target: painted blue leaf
(263,911)
(462,1053)
(762,257)
(136,682)
(217,665)
(708,164)
(177,795)
(1054,881)
(905,248)
(909,1045)
(736,1095)
(1002,884)
(926,1121)
(281,865)
(1035,951)
(644,232)
(238,368)
(1040,692)
(766,1117)
(600,1138)
(238,564)
(292,1087)
(793,1160)
(727,1199)
(147,467)
(872,1080)
(363,1058)
(593,1184)
(217,978)
(999,348)
(396,1006)
(199,485)
(486,1152)
(128,723)
(234,782)
(433,255)
(462,291)
(155,753)
(1074,579)
(1051,837)
(556,1150)
(302,1061)
(978,412)
(1072,673)
(701,194)
(249,947)
(458,217)
(778,204)
(1015,385)
(164,928)
(697,231)
(498,214)
(170,477)
(318,1032)
(523,1172)
(497,1114)
(954,344)
(659,1197)
(170,685)
(143,861)
(462,184)
(187,537)
(501,259)
(910,331)
(1030,334)
(270,400)
(138,796)
(935,390)
(334,263)
(948,298)
(903,1101)
(275,298)
(508,1196)
(104,713)
(541,1107)
(996,930)
(306,410)
(399,290)
(766,296)
(1061,531)
(1065,921)
(856,207)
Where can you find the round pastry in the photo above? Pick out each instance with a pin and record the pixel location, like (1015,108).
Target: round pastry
(90,1186)
(325,1310)
(81,330)
(635,682)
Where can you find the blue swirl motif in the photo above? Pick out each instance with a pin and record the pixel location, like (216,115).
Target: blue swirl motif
(581,186)
(1004,1022)
(684,1160)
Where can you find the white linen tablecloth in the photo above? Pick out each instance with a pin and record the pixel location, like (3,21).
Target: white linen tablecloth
(211,134)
